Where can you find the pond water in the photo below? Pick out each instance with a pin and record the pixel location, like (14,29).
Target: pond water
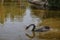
(14,18)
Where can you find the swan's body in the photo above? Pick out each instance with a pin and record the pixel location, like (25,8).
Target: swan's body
(43,29)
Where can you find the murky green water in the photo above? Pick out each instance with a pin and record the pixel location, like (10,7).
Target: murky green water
(14,18)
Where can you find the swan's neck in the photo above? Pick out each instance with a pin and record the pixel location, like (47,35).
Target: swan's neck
(32,25)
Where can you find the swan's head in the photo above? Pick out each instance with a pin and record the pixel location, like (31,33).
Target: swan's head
(46,27)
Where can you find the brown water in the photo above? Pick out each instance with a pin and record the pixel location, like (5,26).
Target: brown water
(14,18)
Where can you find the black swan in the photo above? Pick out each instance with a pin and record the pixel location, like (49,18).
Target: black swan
(43,29)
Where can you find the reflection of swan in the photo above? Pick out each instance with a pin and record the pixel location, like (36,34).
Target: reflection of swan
(43,29)
(30,35)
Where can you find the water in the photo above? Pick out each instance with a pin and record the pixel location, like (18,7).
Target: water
(14,18)
(13,24)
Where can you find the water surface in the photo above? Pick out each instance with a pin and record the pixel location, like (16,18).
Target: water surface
(14,18)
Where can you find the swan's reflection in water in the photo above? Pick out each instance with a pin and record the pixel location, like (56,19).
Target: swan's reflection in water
(35,35)
(50,35)
(30,36)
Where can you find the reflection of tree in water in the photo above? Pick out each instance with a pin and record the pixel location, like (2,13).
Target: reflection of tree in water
(2,15)
(13,11)
(46,13)
(39,13)
(53,14)
(11,2)
(23,5)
